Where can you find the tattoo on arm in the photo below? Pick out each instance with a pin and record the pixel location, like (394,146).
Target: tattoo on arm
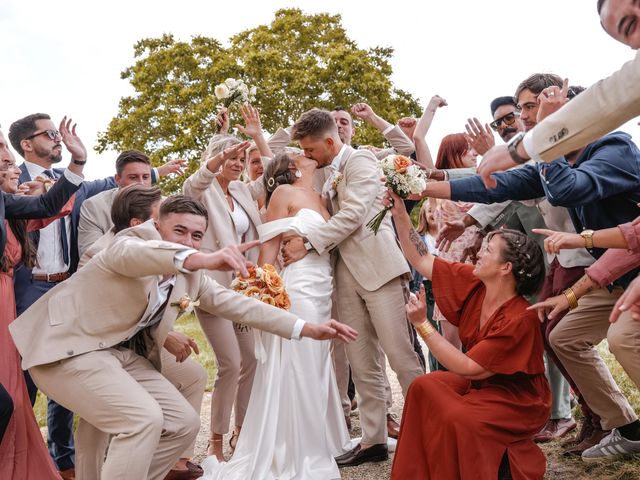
(418,243)
(585,285)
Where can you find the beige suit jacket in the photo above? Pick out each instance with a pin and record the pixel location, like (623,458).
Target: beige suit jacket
(600,109)
(102,303)
(95,219)
(96,247)
(221,231)
(373,260)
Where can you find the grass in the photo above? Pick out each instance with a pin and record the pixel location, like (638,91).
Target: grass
(559,467)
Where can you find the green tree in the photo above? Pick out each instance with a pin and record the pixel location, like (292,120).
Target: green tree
(297,62)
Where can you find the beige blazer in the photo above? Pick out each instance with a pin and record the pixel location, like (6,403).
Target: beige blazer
(399,142)
(373,260)
(595,112)
(103,302)
(221,231)
(96,247)
(95,219)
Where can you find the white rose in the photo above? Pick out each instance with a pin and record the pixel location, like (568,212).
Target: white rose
(253,91)
(231,83)
(221,91)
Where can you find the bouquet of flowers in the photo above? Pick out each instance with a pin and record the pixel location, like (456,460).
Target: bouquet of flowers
(265,284)
(233,90)
(403,177)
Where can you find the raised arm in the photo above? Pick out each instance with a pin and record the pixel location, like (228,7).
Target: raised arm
(253,128)
(423,155)
(414,249)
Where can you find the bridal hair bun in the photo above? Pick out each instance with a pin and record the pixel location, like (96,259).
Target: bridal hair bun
(278,173)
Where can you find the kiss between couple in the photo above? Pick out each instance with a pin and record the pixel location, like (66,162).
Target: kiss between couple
(294,426)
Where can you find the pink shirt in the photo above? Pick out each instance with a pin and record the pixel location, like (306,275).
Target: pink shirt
(617,261)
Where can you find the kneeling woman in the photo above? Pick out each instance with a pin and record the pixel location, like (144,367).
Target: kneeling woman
(478,418)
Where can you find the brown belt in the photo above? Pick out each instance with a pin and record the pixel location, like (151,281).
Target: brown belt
(52,277)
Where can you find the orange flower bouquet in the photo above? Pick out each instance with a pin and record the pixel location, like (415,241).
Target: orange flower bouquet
(264,284)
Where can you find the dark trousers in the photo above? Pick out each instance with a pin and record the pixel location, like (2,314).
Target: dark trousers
(6,410)
(59,419)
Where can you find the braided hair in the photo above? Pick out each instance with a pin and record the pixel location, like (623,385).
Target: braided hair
(525,256)
(277,173)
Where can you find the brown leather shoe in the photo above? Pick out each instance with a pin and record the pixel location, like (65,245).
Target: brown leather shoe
(393,427)
(68,474)
(347,420)
(193,471)
(358,456)
(554,429)
(593,439)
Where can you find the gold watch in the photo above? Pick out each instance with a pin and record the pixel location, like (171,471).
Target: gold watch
(588,238)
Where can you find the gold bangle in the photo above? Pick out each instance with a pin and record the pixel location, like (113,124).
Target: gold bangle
(425,329)
(571,298)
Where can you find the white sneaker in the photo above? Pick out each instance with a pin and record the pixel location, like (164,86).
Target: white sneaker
(611,447)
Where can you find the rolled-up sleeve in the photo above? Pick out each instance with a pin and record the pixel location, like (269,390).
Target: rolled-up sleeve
(631,234)
(613,264)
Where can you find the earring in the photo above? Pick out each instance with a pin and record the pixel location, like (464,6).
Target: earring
(298,174)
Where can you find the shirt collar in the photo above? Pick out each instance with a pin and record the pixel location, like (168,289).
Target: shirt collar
(337,161)
(34,169)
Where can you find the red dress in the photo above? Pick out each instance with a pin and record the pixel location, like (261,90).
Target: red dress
(454,428)
(23,453)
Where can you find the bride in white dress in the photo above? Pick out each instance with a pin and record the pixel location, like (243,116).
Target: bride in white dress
(294,426)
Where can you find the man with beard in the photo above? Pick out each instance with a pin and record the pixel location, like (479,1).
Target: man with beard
(36,138)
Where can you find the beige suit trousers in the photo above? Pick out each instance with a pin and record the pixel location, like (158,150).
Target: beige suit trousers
(122,394)
(189,377)
(380,319)
(624,342)
(575,341)
(233,345)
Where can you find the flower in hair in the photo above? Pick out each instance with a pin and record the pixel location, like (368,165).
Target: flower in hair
(521,272)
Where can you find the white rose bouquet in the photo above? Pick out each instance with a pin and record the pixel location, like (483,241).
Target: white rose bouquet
(403,177)
(233,90)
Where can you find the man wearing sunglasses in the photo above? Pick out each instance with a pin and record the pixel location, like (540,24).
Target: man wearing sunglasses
(37,139)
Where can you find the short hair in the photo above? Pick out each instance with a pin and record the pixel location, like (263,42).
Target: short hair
(574,91)
(183,204)
(23,128)
(130,156)
(313,123)
(133,201)
(451,150)
(526,258)
(501,102)
(218,143)
(537,83)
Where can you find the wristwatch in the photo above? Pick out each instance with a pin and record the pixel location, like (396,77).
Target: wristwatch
(307,245)
(588,238)
(78,162)
(512,148)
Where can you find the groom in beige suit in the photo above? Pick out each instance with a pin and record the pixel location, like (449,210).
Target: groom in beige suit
(369,275)
(98,353)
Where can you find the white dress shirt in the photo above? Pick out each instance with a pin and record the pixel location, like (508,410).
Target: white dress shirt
(50,256)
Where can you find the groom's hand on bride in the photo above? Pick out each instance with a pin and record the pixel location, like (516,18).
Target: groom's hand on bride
(329,330)
(293,249)
(226,259)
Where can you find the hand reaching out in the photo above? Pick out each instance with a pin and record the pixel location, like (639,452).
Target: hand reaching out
(222,121)
(478,137)
(449,233)
(556,241)
(417,307)
(550,307)
(551,99)
(408,125)
(71,140)
(252,125)
(174,166)
(629,301)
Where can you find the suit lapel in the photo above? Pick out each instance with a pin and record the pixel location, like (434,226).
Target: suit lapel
(24,173)
(246,203)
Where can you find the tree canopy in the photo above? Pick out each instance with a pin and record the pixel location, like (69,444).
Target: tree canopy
(297,62)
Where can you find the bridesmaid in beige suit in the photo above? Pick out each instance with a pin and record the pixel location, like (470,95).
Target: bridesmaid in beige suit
(233,220)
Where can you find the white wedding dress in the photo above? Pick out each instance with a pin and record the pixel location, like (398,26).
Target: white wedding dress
(294,426)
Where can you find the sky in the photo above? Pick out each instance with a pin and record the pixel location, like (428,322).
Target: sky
(65,57)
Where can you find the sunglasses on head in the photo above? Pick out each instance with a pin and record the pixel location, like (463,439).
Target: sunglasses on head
(508,119)
(51,133)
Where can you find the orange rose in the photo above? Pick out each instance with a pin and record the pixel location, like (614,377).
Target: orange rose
(253,292)
(267,267)
(401,163)
(283,301)
(273,282)
(268,299)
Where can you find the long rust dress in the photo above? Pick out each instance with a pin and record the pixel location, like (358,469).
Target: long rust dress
(454,428)
(23,453)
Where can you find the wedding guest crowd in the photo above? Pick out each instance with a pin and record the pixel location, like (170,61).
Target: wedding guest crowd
(521,263)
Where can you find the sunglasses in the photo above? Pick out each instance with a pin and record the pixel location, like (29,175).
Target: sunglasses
(52,134)
(508,119)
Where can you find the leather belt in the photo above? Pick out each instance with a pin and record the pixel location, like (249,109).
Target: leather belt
(51,277)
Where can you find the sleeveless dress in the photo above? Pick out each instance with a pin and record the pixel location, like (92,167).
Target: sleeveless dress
(294,426)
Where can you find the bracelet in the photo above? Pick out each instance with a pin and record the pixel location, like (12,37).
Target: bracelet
(78,162)
(425,329)
(571,298)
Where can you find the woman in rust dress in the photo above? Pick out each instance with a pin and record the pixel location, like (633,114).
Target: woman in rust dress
(476,420)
